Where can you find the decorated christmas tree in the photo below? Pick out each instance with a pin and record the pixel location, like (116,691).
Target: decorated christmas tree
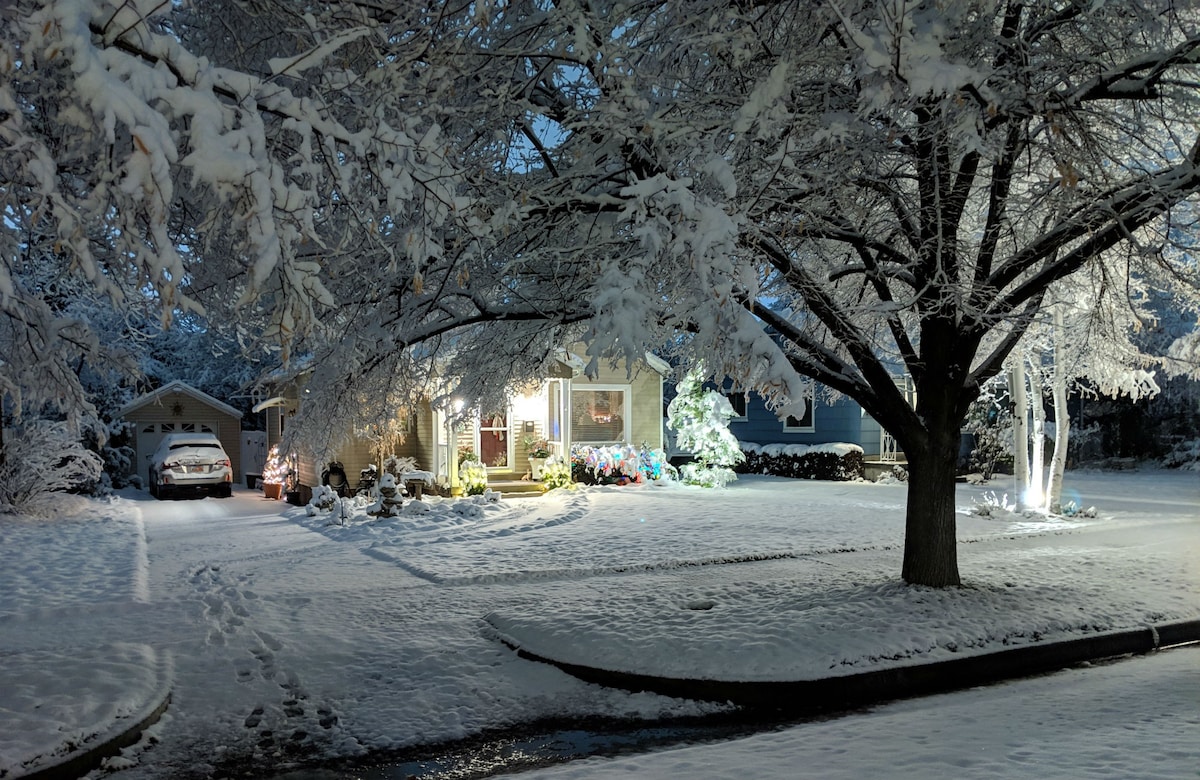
(700,419)
(275,470)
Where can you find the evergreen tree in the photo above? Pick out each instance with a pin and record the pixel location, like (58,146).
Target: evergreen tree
(700,419)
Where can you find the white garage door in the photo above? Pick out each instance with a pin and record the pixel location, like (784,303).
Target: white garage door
(150,434)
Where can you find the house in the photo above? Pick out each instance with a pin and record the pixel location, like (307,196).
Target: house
(178,407)
(567,408)
(825,421)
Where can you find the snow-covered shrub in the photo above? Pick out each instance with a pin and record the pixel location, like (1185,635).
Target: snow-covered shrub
(120,466)
(1075,509)
(992,505)
(700,419)
(388,501)
(397,466)
(1183,455)
(42,457)
(120,461)
(324,499)
(837,462)
(473,475)
(618,465)
(706,476)
(556,474)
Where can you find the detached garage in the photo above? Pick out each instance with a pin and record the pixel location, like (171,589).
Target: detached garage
(180,408)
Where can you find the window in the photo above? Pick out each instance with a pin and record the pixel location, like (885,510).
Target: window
(599,415)
(738,402)
(801,424)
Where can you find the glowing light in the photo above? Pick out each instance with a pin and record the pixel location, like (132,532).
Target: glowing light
(1034,496)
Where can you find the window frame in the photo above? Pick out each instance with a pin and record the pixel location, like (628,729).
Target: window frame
(626,405)
(729,396)
(788,427)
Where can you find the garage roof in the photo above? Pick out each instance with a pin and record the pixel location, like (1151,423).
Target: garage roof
(177,387)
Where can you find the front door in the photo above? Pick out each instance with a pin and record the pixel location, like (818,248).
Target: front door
(495,441)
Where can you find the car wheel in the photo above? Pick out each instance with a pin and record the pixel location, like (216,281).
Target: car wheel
(224,490)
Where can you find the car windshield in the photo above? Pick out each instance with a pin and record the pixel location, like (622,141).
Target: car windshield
(196,444)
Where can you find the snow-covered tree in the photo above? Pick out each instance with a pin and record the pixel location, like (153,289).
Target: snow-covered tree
(897,185)
(1087,339)
(700,418)
(39,458)
(455,190)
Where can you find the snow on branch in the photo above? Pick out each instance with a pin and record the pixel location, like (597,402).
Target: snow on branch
(261,161)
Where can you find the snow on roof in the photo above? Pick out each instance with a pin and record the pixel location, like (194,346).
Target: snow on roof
(577,363)
(157,396)
(267,404)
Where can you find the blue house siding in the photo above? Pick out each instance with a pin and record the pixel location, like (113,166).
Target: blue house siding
(870,433)
(841,421)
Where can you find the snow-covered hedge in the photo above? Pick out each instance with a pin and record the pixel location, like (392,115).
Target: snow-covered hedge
(1184,454)
(803,461)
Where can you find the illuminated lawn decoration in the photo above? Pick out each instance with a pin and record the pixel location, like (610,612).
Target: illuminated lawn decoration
(556,474)
(618,465)
(473,475)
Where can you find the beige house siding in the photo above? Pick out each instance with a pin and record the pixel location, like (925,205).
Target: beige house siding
(178,407)
(646,412)
(355,454)
(423,438)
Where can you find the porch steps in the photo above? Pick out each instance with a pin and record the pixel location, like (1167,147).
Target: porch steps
(519,488)
(873,468)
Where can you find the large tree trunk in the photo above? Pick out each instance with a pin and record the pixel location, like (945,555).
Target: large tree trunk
(930,543)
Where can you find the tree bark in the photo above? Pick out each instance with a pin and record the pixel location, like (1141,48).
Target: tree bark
(1037,459)
(930,544)
(1062,420)
(1020,428)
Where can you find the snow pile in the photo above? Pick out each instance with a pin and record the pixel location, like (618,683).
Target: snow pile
(797,450)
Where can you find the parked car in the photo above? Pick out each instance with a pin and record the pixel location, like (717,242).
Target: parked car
(190,462)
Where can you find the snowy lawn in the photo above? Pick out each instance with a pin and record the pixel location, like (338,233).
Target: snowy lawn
(290,636)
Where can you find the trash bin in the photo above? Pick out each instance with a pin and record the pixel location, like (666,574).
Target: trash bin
(252,480)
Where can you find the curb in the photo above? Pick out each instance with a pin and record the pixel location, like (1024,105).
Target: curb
(78,763)
(836,693)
